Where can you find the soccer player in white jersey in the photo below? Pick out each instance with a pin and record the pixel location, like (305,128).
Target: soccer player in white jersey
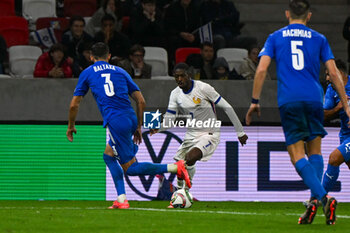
(197,100)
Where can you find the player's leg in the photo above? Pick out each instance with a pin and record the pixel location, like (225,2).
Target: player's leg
(202,150)
(332,173)
(336,158)
(118,178)
(315,159)
(308,174)
(122,134)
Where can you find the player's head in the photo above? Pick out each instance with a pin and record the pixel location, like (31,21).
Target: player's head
(182,75)
(100,52)
(57,54)
(299,10)
(341,65)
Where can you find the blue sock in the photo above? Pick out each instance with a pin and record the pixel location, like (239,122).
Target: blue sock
(316,162)
(117,173)
(146,169)
(308,173)
(330,177)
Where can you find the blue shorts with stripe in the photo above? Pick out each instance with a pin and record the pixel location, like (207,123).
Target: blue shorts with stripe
(121,130)
(302,121)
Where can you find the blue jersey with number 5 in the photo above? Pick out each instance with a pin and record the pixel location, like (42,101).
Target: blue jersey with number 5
(298,51)
(110,86)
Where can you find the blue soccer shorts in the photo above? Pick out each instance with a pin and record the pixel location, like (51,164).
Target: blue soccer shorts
(344,148)
(121,130)
(302,121)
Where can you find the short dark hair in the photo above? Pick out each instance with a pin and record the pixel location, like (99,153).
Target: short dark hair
(341,65)
(137,48)
(182,66)
(57,47)
(299,9)
(76,18)
(100,50)
(207,43)
(107,17)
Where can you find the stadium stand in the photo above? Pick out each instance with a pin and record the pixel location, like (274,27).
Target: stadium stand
(16,32)
(23,59)
(233,56)
(7,7)
(182,53)
(84,8)
(158,58)
(34,9)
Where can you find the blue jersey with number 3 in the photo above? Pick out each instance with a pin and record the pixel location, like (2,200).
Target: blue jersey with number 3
(110,86)
(298,51)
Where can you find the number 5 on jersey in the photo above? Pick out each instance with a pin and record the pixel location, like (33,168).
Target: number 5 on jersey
(109,88)
(297,55)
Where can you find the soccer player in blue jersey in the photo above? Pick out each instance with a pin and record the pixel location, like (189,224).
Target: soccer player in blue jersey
(111,87)
(298,50)
(333,108)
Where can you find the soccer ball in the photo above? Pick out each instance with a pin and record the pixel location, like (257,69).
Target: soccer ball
(181,198)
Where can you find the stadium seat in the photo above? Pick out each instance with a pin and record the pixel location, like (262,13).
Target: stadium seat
(158,58)
(7,8)
(84,8)
(233,56)
(182,53)
(58,24)
(22,60)
(14,30)
(34,9)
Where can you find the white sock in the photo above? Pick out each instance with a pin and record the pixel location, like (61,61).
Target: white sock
(191,171)
(172,168)
(121,198)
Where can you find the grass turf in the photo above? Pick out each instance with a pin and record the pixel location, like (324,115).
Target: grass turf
(92,216)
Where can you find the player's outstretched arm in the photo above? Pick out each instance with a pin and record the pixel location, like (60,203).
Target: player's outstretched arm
(242,137)
(140,106)
(259,80)
(73,111)
(336,79)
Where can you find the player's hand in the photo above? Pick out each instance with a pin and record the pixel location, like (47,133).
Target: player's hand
(70,132)
(153,131)
(243,139)
(137,136)
(253,108)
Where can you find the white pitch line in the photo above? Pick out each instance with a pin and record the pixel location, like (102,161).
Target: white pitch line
(161,210)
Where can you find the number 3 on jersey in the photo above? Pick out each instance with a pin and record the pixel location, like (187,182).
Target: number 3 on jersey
(297,55)
(109,88)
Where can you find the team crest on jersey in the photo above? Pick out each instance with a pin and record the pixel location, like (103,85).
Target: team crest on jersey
(196,100)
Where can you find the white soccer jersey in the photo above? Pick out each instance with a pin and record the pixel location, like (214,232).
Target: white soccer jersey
(199,104)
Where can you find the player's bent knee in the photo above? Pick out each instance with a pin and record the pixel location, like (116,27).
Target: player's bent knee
(109,151)
(193,156)
(336,158)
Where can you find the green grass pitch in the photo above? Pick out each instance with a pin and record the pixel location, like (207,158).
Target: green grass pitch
(152,216)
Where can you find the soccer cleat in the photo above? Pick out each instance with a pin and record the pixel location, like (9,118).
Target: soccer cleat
(182,173)
(310,213)
(118,205)
(329,210)
(170,206)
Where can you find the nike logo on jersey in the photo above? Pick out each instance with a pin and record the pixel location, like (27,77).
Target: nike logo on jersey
(196,101)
